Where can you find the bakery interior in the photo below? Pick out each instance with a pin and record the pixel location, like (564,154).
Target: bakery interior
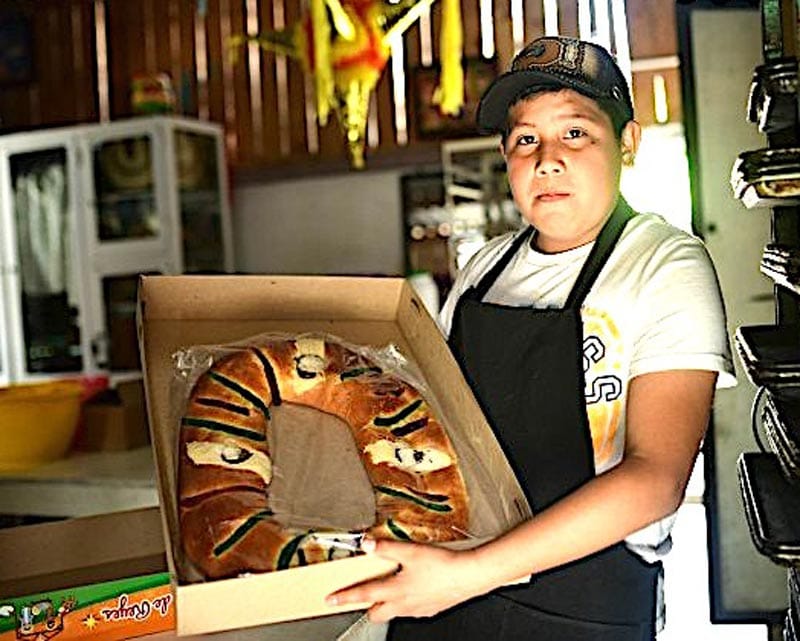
(153,137)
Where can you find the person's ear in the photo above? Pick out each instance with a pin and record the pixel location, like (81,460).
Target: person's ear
(629,142)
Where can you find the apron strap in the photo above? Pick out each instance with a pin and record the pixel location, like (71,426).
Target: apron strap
(604,245)
(489,277)
(602,249)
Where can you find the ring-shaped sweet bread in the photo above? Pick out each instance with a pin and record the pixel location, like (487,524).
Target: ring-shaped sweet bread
(225,468)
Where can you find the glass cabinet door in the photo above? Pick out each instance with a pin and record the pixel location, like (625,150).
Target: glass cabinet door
(48,297)
(200,202)
(124,185)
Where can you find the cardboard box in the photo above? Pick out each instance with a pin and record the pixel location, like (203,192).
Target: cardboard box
(102,577)
(115,419)
(182,311)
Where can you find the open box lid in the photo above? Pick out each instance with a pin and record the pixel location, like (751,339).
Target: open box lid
(80,551)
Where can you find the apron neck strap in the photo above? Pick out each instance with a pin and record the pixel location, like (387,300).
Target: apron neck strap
(489,277)
(603,246)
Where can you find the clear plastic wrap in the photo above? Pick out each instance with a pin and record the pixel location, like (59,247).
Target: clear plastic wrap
(318,484)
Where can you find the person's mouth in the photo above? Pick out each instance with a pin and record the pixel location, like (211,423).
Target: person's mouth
(552,196)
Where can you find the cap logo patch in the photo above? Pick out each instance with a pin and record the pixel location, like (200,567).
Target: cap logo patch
(546,53)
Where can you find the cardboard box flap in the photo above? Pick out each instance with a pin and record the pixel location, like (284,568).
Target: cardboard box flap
(61,554)
(230,298)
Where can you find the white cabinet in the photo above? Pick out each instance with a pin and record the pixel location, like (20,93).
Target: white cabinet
(83,211)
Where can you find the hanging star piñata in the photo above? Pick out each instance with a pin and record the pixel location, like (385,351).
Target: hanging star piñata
(345,44)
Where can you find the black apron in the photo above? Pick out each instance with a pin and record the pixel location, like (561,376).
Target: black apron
(525,367)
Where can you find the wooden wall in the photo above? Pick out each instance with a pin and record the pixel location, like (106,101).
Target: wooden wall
(61,87)
(186,39)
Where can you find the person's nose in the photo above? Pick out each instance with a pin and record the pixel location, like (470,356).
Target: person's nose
(549,159)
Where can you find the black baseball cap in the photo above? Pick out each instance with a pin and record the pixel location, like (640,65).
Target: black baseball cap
(557,62)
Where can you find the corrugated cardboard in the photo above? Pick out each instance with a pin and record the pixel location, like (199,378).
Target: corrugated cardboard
(178,312)
(115,420)
(101,577)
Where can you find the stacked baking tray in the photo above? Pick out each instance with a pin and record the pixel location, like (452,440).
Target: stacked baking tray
(771,354)
(782,264)
(772,102)
(780,419)
(767,177)
(771,506)
(770,480)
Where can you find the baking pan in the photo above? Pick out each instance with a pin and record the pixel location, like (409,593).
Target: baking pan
(771,506)
(772,101)
(781,422)
(767,163)
(783,260)
(782,264)
(767,177)
(770,353)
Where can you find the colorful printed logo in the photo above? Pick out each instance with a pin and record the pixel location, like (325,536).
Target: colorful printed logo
(38,621)
(107,611)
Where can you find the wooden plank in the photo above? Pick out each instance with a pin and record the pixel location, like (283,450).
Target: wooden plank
(269,94)
(533,12)
(19,102)
(413,68)
(186,83)
(471,19)
(81,36)
(568,18)
(158,36)
(503,36)
(412,52)
(148,63)
(55,72)
(436,28)
(384,103)
(672,78)
(216,90)
(171,12)
(652,29)
(643,96)
(296,87)
(126,52)
(240,120)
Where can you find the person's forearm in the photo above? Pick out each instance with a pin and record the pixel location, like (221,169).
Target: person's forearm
(599,514)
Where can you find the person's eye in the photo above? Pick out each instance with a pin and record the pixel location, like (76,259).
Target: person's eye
(574,132)
(526,139)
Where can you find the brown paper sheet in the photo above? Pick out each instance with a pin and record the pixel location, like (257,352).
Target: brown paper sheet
(318,480)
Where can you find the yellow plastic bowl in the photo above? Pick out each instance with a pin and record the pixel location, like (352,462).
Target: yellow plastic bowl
(37,423)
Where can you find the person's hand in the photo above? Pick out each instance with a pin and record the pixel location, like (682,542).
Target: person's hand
(429,580)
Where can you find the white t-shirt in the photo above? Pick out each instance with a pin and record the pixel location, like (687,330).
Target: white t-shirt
(656,305)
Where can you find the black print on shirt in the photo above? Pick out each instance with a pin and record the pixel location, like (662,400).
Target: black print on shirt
(606,387)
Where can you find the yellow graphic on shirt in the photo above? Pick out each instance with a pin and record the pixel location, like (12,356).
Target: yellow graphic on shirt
(604,375)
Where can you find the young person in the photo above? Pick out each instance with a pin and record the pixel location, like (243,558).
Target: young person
(593,339)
